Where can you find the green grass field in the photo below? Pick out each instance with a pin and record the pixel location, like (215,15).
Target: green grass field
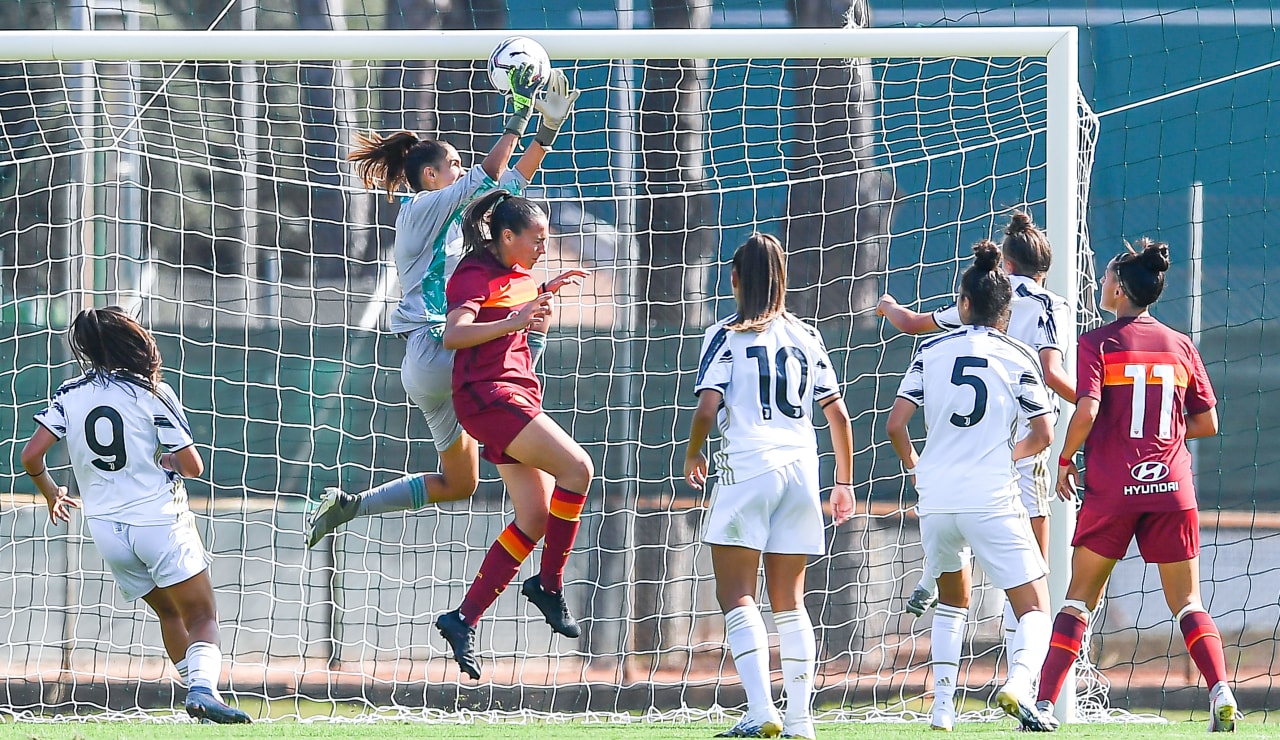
(571,731)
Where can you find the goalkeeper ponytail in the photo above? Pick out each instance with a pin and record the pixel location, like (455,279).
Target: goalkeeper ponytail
(390,162)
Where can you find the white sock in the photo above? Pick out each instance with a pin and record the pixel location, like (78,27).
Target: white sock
(204,666)
(1029,647)
(749,643)
(928,583)
(182,670)
(947,639)
(798,648)
(1010,629)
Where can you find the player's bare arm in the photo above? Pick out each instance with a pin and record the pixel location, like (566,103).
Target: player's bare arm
(704,420)
(904,319)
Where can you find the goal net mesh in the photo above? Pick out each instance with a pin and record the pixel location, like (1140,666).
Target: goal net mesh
(212,200)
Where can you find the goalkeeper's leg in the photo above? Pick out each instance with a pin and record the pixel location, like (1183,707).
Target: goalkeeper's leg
(427,376)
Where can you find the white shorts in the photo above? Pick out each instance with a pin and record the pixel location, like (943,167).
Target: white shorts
(779,512)
(1001,541)
(427,375)
(1035,483)
(145,557)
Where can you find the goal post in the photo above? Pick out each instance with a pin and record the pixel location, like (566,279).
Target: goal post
(263,268)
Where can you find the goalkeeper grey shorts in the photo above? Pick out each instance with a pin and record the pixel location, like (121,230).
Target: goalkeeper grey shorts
(427,375)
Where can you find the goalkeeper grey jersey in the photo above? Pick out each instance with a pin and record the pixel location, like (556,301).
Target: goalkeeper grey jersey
(429,245)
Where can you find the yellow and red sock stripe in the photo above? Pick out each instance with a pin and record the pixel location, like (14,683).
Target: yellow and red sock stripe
(515,542)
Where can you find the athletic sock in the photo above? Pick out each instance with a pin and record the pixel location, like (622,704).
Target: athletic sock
(946,640)
(1064,646)
(798,649)
(204,667)
(1204,642)
(500,565)
(1010,629)
(562,528)
(401,494)
(928,584)
(1028,647)
(181,667)
(749,643)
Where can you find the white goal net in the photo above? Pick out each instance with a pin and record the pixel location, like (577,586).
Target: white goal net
(209,194)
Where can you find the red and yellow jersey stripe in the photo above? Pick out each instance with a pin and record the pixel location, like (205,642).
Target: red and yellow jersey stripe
(510,291)
(1115,364)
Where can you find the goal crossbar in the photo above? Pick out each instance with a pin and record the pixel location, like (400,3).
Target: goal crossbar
(158,46)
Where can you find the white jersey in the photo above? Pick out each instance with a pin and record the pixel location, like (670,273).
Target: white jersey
(770,381)
(975,385)
(115,430)
(1037,317)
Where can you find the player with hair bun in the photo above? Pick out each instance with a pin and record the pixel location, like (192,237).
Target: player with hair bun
(761,372)
(130,445)
(493,301)
(428,245)
(1143,392)
(977,387)
(1037,317)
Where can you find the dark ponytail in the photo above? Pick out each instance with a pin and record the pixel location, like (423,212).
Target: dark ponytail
(986,286)
(486,218)
(1026,246)
(761,267)
(108,340)
(388,162)
(1141,272)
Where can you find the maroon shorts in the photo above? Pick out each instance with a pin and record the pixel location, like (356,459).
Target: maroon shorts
(1163,536)
(494,413)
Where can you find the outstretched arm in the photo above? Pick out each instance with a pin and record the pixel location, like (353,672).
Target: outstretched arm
(904,319)
(524,85)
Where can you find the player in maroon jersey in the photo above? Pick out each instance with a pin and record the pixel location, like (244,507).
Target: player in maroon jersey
(493,298)
(1142,392)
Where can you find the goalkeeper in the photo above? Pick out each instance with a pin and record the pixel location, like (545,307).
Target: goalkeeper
(428,245)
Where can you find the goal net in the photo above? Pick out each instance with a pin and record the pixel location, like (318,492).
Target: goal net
(209,195)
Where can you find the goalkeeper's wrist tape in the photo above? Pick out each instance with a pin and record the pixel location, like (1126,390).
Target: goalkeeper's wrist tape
(518,121)
(546,135)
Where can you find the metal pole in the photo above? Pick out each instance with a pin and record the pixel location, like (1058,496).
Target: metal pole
(262,268)
(1062,210)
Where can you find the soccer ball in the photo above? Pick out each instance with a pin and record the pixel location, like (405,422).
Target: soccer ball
(512,53)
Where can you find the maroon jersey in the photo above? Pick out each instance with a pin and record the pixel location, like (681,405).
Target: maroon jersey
(482,285)
(1145,376)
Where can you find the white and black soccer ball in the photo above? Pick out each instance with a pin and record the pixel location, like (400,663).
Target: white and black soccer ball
(512,53)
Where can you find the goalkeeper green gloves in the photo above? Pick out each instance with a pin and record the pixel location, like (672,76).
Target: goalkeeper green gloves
(524,85)
(555,105)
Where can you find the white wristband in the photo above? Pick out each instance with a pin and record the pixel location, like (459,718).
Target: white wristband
(909,471)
